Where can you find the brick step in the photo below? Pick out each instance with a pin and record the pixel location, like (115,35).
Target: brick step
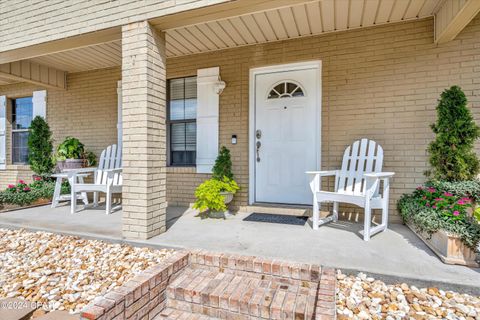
(242,296)
(170,313)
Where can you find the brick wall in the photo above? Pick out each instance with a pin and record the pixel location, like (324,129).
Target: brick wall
(381,83)
(87,111)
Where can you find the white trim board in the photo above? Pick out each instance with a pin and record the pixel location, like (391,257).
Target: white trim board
(316,64)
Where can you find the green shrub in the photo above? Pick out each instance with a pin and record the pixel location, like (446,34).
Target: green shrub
(452,153)
(90,159)
(429,209)
(208,194)
(223,165)
(22,194)
(40,147)
(70,148)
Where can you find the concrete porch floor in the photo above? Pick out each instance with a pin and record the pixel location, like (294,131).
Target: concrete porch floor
(396,252)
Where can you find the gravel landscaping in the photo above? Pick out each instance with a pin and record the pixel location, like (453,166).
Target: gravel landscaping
(362,297)
(66,273)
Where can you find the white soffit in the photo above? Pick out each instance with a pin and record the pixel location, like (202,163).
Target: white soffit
(99,56)
(307,19)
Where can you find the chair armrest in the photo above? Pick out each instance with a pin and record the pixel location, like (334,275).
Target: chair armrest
(379,175)
(324,173)
(79,170)
(116,170)
(315,178)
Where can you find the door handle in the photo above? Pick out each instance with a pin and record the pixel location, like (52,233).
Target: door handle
(259,144)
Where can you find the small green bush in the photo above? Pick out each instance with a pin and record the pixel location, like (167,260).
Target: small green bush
(223,165)
(22,194)
(208,194)
(40,147)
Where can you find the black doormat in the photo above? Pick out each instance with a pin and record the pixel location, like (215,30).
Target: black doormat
(277,218)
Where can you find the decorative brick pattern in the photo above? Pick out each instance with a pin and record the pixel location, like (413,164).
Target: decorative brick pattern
(143,297)
(205,285)
(144,131)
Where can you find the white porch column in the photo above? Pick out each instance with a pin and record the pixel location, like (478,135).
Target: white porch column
(144,130)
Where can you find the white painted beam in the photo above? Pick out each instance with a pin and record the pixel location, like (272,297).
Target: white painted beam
(66,44)
(27,71)
(452,17)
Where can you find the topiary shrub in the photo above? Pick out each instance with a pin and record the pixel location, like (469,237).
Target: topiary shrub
(223,165)
(40,147)
(452,154)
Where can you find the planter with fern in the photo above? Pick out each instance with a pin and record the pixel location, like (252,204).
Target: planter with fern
(71,154)
(214,195)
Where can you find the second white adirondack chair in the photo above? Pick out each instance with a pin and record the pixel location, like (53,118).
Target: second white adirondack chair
(358,183)
(107,178)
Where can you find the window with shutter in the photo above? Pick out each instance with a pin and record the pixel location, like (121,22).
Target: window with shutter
(22,115)
(182,126)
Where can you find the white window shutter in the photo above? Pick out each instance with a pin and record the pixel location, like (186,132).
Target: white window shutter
(39,101)
(3,126)
(207,118)
(119,114)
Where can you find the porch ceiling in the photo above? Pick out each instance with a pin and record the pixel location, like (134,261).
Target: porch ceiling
(269,21)
(98,56)
(288,22)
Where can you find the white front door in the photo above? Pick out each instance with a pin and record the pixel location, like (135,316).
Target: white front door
(286,139)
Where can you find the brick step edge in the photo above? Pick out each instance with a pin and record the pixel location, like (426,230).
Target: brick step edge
(143,296)
(170,313)
(233,294)
(325,308)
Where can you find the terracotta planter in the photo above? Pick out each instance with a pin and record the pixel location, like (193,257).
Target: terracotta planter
(449,248)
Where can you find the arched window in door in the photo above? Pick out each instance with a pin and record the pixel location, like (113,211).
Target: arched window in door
(286,89)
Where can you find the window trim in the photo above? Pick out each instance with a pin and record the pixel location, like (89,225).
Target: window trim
(13,131)
(169,122)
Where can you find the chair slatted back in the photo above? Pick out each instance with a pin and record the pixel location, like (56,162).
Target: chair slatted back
(363,156)
(111,158)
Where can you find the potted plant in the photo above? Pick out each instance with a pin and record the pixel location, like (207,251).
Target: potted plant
(223,169)
(40,148)
(71,154)
(216,193)
(443,212)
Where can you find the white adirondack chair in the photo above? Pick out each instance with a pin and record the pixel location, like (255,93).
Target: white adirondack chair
(358,183)
(107,178)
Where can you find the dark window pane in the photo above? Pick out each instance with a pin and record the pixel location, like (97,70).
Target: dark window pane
(22,113)
(182,115)
(20,147)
